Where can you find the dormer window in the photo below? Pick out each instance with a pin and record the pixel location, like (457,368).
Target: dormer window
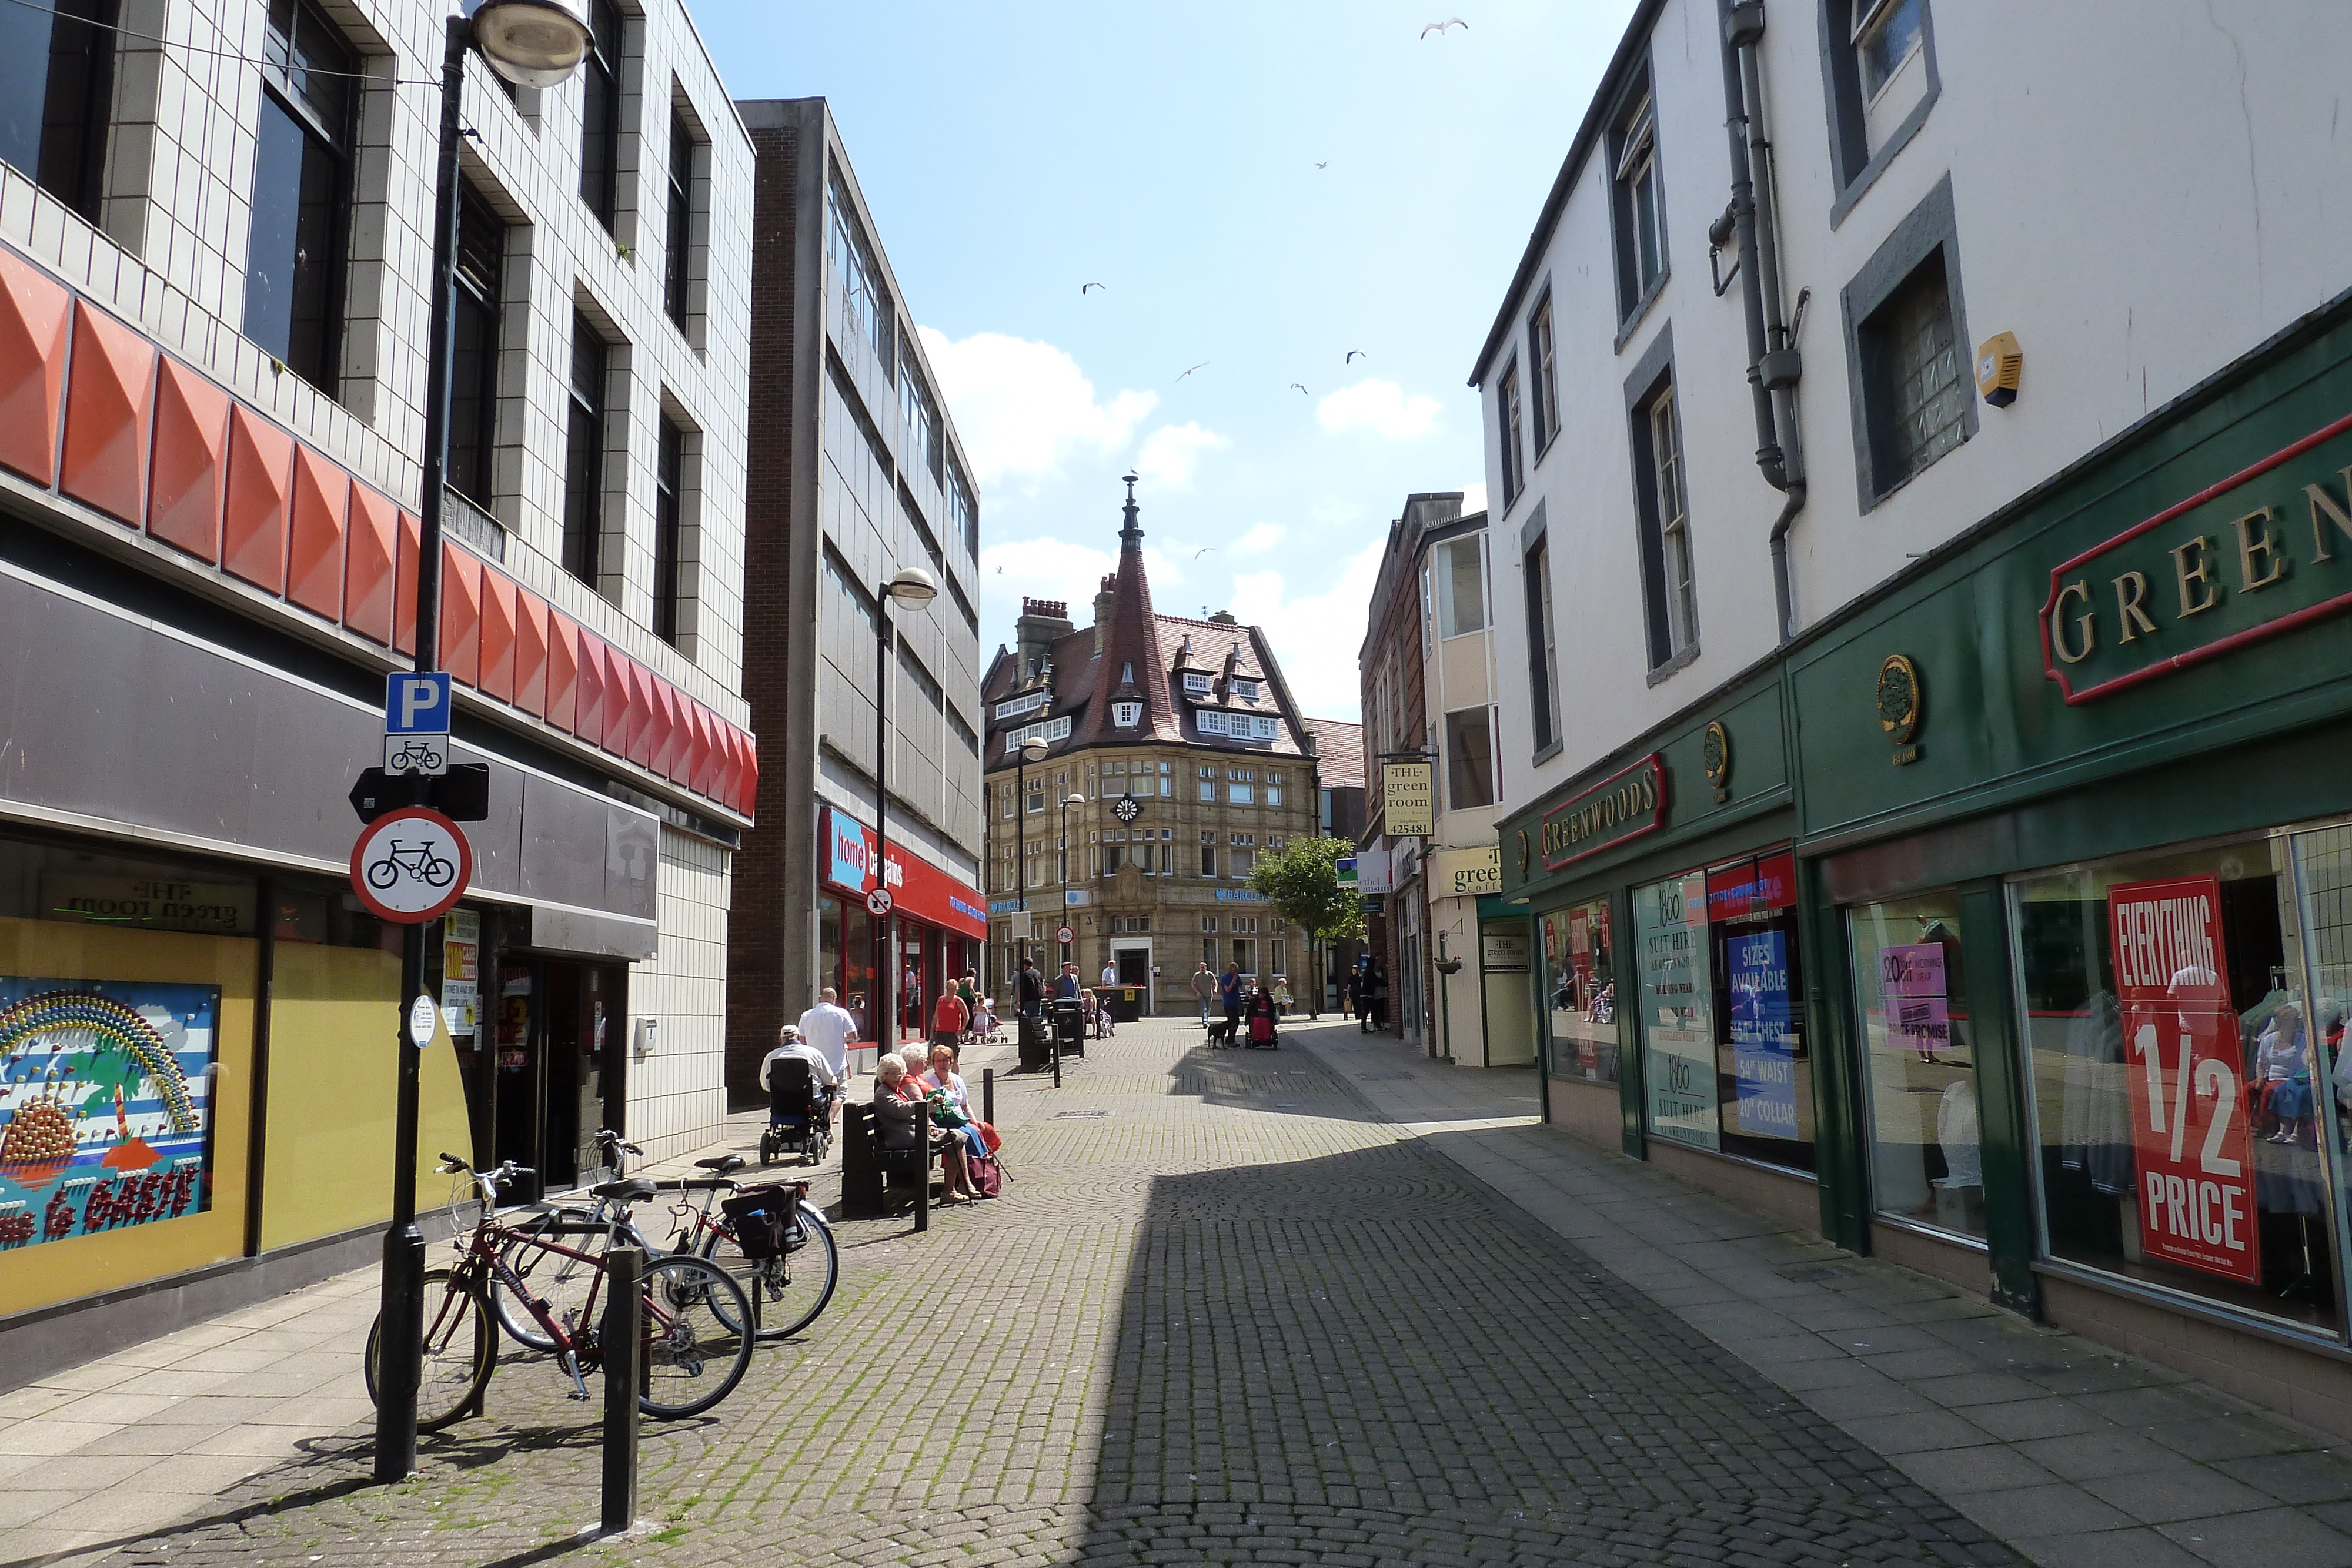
(1195,684)
(1127,715)
(1245,691)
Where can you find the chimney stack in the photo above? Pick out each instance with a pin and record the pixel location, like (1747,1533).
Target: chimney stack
(1104,597)
(1041,620)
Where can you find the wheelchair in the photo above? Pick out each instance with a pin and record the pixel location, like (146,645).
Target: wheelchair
(800,1114)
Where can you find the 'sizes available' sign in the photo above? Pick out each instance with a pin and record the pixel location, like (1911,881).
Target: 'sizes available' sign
(2250,557)
(1625,805)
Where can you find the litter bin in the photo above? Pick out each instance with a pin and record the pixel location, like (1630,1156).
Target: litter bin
(1126,1002)
(1070,1023)
(1037,1045)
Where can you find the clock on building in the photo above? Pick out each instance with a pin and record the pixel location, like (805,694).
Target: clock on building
(1127,809)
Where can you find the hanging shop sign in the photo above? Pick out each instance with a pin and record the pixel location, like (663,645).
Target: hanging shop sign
(1466,873)
(1372,871)
(105,1105)
(1621,807)
(846,855)
(2185,1065)
(2251,556)
(1408,799)
(1504,952)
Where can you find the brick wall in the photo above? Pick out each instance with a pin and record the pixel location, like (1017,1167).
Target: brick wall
(761,983)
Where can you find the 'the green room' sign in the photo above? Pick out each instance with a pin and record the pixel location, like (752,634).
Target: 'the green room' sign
(2258,554)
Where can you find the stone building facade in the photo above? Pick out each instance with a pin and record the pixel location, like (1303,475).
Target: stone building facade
(1188,760)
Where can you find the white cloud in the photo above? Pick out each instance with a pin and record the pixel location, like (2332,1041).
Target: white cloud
(1263,537)
(1049,568)
(1315,636)
(1023,407)
(1474,498)
(1172,452)
(1380,407)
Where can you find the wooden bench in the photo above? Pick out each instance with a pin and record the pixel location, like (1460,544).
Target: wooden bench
(877,1155)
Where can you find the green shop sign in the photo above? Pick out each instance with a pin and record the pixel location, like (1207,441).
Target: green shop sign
(1625,805)
(2258,554)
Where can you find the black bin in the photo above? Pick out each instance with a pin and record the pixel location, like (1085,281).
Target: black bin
(1126,1002)
(1037,1045)
(1069,1024)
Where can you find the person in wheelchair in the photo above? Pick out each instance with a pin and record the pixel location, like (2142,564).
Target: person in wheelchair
(808,1073)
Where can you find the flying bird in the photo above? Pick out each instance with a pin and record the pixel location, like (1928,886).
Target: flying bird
(1201,551)
(1353,355)
(1301,391)
(1442,28)
(1325,164)
(1202,366)
(1084,286)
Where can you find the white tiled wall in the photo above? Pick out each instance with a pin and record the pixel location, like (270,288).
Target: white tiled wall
(677,1096)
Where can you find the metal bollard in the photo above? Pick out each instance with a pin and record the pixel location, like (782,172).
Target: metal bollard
(988,1095)
(624,1343)
(922,1165)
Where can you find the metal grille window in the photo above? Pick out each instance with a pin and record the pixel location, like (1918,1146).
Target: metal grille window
(669,532)
(1546,376)
(583,458)
(1681,604)
(600,112)
(1914,382)
(56,82)
(676,274)
(1515,479)
(302,185)
(474,347)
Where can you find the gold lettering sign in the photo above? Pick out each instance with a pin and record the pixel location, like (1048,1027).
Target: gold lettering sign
(1624,806)
(2229,566)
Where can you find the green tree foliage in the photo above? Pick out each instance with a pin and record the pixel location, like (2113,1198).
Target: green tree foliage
(1303,885)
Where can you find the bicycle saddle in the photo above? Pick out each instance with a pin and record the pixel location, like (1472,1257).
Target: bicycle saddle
(722,1164)
(636,1189)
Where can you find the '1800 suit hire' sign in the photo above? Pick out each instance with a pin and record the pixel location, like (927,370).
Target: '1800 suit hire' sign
(2257,554)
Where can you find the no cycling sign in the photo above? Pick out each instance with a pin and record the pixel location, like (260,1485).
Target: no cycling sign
(410,866)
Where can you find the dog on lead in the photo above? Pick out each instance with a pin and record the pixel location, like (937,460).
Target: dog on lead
(1221,1033)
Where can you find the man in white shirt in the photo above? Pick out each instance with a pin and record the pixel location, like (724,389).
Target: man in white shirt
(790,1044)
(1110,973)
(829,1029)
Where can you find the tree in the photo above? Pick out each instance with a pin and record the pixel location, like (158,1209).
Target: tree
(1304,887)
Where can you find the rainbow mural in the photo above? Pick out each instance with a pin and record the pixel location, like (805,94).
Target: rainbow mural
(104,1105)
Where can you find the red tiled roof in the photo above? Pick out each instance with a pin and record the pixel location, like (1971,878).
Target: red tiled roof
(1340,752)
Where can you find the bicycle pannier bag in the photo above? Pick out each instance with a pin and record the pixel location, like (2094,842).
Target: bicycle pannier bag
(763,1219)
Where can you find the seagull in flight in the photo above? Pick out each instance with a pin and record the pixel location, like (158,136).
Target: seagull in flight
(1202,366)
(1201,551)
(1442,28)
(1301,391)
(1083,288)
(1353,355)
(1325,164)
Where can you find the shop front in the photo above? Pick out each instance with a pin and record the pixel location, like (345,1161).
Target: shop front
(934,931)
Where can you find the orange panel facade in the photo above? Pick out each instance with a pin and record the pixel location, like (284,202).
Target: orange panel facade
(260,472)
(461,614)
(498,643)
(34,312)
(563,662)
(108,398)
(404,583)
(315,536)
(589,725)
(368,564)
(188,473)
(530,652)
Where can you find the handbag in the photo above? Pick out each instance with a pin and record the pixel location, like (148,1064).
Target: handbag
(989,1137)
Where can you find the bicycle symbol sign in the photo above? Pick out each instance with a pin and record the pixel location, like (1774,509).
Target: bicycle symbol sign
(411,865)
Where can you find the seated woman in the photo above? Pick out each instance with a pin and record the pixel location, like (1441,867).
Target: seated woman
(899,1105)
(951,1090)
(1258,1018)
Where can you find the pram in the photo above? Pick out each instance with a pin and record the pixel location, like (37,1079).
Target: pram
(800,1113)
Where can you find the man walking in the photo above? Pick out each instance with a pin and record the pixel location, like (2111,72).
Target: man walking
(1068,985)
(1204,990)
(1228,992)
(1029,990)
(827,1029)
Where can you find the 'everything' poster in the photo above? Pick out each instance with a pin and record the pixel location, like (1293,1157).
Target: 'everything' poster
(2186,1066)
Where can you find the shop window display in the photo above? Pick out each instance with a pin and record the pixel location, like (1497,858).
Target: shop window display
(1579,970)
(1919,1062)
(1678,1011)
(1763,1069)
(2177,1087)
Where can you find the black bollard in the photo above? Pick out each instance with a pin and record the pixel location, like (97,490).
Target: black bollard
(622,1334)
(988,1095)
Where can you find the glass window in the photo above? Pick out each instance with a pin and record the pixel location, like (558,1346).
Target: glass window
(677,247)
(1762,1069)
(1886,33)
(1681,602)
(294,243)
(669,532)
(1919,1062)
(56,82)
(1641,239)
(1465,589)
(858,980)
(1913,384)
(1547,383)
(584,476)
(2176,1099)
(1469,759)
(1543,668)
(1584,982)
(866,308)
(1677,1011)
(1506,405)
(474,370)
(600,112)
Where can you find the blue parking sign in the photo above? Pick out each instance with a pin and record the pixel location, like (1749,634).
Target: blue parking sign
(416,704)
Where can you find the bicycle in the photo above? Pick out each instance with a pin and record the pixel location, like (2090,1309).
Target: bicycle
(418,860)
(561,1277)
(685,1367)
(790,1286)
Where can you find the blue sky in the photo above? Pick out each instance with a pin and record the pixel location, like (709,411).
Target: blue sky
(1012,153)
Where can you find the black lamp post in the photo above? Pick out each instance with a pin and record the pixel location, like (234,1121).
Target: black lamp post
(910,588)
(532,43)
(1069,852)
(1032,750)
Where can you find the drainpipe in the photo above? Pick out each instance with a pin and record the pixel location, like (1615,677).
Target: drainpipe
(1775,363)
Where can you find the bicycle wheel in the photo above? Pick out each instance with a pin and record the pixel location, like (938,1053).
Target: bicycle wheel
(561,1282)
(792,1288)
(461,1349)
(695,1350)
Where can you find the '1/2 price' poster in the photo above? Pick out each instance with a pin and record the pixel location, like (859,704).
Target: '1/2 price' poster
(2186,1069)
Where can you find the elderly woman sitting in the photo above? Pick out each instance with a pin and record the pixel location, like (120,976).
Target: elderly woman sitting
(899,1109)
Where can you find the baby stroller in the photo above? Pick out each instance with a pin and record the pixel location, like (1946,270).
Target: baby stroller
(800,1113)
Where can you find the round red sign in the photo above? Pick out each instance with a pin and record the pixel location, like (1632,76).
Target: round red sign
(411,865)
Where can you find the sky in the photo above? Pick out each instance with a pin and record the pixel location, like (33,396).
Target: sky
(1285,194)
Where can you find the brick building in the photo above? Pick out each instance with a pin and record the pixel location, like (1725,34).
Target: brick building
(1338,814)
(855,471)
(1190,758)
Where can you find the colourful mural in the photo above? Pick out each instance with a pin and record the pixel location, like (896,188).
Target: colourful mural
(105,1105)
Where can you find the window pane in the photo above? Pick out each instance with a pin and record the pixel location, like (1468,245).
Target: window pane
(1915,376)
(474,379)
(1583,986)
(669,541)
(1678,1011)
(1469,759)
(1465,598)
(1645,224)
(1927,1164)
(583,480)
(681,215)
(600,111)
(1764,1074)
(55,79)
(275,222)
(1888,40)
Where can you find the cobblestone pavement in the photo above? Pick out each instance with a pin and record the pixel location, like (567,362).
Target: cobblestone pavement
(1222,1314)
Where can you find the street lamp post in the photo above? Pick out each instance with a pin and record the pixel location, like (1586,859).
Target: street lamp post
(1032,750)
(910,588)
(532,43)
(1070,850)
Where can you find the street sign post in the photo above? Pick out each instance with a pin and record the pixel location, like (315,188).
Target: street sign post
(878,901)
(411,865)
(1064,936)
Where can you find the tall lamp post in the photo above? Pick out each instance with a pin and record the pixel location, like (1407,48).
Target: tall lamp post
(1069,852)
(910,587)
(531,43)
(1032,750)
